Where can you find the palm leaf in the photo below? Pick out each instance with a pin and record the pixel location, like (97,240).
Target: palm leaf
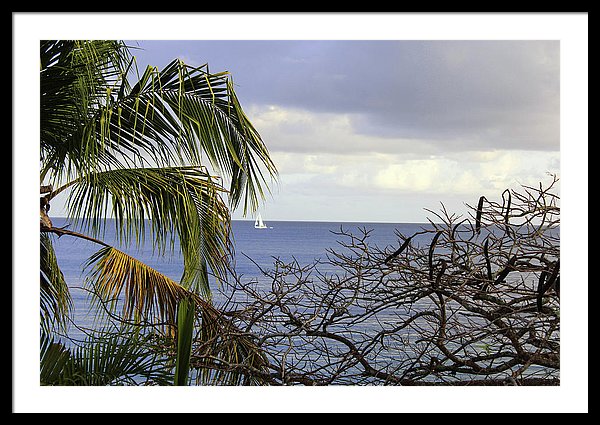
(174,117)
(176,205)
(74,78)
(144,293)
(121,356)
(148,297)
(54,358)
(185,328)
(55,298)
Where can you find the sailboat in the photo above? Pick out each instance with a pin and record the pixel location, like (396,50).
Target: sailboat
(258,223)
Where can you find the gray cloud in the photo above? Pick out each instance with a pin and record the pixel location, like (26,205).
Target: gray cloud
(461,95)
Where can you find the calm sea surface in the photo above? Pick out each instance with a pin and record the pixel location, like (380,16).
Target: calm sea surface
(302,241)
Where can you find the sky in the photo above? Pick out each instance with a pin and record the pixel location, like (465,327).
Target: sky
(382,130)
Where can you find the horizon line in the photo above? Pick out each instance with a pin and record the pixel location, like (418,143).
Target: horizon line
(291,220)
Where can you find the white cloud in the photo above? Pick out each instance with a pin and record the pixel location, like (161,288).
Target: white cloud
(315,164)
(471,174)
(413,176)
(326,146)
(382,178)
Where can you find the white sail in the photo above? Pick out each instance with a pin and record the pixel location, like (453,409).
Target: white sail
(258,223)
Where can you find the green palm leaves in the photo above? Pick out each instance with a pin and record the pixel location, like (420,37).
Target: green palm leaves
(140,152)
(74,77)
(166,156)
(109,357)
(185,329)
(55,299)
(178,116)
(179,204)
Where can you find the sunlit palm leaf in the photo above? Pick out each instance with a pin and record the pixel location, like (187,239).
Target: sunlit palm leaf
(141,292)
(145,295)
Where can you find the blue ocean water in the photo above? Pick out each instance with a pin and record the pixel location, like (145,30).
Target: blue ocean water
(302,241)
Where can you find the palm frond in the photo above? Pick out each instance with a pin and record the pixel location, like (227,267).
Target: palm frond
(176,205)
(174,117)
(75,77)
(144,293)
(55,299)
(193,112)
(185,328)
(118,356)
(221,352)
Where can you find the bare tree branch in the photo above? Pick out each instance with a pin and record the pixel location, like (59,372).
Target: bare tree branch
(456,303)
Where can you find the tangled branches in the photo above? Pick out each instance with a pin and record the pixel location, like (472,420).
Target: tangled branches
(463,301)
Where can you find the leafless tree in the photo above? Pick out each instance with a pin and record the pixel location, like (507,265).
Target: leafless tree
(463,301)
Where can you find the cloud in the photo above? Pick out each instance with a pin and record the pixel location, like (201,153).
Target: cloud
(460,94)
(457,95)
(287,129)
(471,173)
(365,129)
(391,188)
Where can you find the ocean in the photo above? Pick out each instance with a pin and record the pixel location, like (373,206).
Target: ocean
(302,241)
